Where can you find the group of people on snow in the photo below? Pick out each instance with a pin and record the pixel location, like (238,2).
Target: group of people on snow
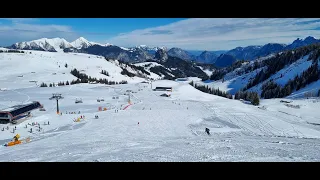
(72,112)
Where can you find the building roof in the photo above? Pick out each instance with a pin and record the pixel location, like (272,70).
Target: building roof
(163,87)
(12,108)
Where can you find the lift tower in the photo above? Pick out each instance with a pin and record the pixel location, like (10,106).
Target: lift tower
(56,97)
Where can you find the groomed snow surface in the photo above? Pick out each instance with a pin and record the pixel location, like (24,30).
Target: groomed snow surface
(152,128)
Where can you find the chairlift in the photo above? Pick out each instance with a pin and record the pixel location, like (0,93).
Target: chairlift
(78,100)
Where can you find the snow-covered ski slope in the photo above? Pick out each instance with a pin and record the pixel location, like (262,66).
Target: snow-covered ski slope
(169,129)
(34,67)
(152,128)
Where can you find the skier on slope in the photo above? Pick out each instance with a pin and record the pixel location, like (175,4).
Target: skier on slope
(207,131)
(16,137)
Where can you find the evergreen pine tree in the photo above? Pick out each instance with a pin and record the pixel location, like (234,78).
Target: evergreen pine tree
(255,100)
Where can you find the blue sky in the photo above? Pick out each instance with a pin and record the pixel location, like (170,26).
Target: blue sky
(192,34)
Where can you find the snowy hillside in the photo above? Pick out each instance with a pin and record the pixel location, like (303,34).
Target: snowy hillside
(207,71)
(49,67)
(147,66)
(146,48)
(289,72)
(312,88)
(234,80)
(254,74)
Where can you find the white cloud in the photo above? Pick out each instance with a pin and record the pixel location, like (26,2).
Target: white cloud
(221,33)
(20,20)
(20,30)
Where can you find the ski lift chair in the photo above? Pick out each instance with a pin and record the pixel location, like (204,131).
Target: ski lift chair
(78,100)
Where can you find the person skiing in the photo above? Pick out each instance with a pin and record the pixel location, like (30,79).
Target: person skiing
(207,131)
(16,137)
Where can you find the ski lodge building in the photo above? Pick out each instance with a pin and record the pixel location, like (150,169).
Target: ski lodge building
(163,89)
(18,111)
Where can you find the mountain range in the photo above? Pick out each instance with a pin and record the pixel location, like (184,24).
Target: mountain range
(54,44)
(143,53)
(253,52)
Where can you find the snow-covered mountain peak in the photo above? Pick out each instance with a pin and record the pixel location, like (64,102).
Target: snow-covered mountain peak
(80,43)
(142,46)
(82,39)
(44,44)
